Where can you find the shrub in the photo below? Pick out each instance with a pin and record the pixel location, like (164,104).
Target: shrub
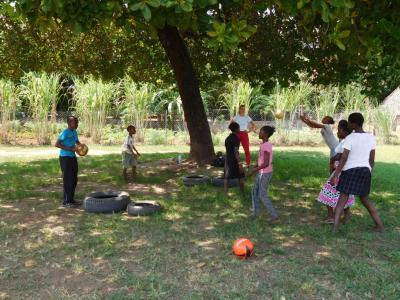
(156,137)
(180,138)
(113,135)
(383,123)
(16,126)
(29,126)
(219,138)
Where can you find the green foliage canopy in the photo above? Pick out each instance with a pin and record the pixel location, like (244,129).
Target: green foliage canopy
(334,41)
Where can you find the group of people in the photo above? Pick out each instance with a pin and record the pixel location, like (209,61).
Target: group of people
(68,141)
(352,157)
(240,127)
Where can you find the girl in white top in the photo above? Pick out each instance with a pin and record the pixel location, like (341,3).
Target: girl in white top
(246,125)
(355,168)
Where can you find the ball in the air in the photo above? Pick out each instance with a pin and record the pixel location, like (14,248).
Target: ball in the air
(279,114)
(243,248)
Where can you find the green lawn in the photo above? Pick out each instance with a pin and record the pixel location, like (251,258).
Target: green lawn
(47,252)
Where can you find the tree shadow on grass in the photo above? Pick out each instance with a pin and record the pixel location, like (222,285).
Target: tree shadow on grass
(186,249)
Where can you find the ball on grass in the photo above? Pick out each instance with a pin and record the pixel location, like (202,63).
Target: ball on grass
(243,248)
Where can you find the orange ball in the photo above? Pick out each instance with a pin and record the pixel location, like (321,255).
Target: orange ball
(243,248)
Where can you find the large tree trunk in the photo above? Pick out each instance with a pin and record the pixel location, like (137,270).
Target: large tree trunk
(201,146)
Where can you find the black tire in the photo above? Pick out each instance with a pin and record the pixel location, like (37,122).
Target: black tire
(192,180)
(219,181)
(106,202)
(143,208)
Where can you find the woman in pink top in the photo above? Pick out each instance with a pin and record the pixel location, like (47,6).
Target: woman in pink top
(264,169)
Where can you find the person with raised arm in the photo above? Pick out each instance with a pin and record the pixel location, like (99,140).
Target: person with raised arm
(327,134)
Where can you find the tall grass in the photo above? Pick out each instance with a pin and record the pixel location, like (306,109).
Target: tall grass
(291,98)
(238,92)
(299,94)
(135,104)
(353,99)
(93,101)
(41,92)
(277,99)
(297,97)
(9,103)
(167,105)
(327,101)
(175,111)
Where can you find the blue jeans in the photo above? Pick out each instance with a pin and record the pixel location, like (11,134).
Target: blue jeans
(260,192)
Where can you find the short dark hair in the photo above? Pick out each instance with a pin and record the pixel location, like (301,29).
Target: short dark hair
(331,121)
(356,118)
(242,105)
(234,126)
(71,118)
(344,125)
(268,130)
(130,127)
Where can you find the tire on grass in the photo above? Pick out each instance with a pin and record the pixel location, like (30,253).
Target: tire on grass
(143,208)
(219,181)
(192,180)
(106,202)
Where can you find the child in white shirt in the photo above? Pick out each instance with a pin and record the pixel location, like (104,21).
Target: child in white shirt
(129,158)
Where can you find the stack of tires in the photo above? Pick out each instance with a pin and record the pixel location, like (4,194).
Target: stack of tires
(113,201)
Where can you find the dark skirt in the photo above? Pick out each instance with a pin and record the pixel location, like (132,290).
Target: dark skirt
(356,181)
(232,170)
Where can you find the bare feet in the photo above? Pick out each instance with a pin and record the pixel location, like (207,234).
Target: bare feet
(330,220)
(346,218)
(273,221)
(378,229)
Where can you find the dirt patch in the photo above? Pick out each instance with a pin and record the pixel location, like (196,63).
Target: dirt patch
(169,165)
